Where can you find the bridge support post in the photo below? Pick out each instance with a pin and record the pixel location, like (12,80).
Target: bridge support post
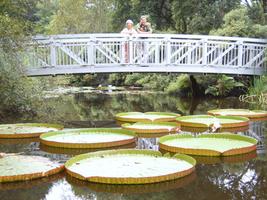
(157,53)
(240,53)
(53,55)
(90,51)
(168,51)
(205,50)
(131,50)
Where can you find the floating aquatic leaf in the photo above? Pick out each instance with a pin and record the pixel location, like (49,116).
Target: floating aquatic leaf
(20,167)
(151,129)
(129,166)
(88,138)
(208,144)
(252,114)
(212,121)
(26,130)
(146,117)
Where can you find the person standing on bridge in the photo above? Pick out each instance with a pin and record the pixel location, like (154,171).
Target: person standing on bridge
(143,27)
(129,30)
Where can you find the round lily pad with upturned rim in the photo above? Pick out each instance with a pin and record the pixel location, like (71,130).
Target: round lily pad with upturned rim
(88,138)
(203,159)
(220,144)
(251,114)
(22,167)
(134,188)
(146,117)
(221,129)
(206,121)
(129,166)
(17,185)
(27,130)
(76,151)
(151,129)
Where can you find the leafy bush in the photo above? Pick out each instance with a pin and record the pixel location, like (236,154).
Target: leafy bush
(223,86)
(117,79)
(259,86)
(238,23)
(131,79)
(180,86)
(18,93)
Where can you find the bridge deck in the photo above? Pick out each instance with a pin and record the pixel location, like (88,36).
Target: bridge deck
(112,53)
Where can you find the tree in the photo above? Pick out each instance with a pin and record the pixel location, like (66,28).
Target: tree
(199,17)
(257,10)
(16,25)
(223,86)
(45,10)
(238,23)
(159,12)
(82,16)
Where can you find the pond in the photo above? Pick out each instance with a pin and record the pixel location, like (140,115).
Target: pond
(241,177)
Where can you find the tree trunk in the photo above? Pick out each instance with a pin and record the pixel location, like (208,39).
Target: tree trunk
(194,87)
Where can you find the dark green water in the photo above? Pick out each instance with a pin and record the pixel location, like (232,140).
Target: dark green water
(242,177)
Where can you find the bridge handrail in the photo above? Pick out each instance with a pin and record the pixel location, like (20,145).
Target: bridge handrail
(159,36)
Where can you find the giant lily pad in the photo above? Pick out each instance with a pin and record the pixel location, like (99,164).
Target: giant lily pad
(152,129)
(136,188)
(88,138)
(220,129)
(221,144)
(21,168)
(251,114)
(206,121)
(203,159)
(26,130)
(31,184)
(76,151)
(129,166)
(146,117)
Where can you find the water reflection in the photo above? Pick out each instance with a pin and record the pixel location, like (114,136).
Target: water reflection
(242,177)
(84,109)
(134,189)
(72,152)
(30,190)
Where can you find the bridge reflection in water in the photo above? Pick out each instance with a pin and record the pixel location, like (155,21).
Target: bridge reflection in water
(111,53)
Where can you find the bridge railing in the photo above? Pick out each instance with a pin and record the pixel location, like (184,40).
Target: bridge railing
(172,51)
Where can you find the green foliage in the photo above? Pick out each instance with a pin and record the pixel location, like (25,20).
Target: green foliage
(238,23)
(259,86)
(147,81)
(223,86)
(159,13)
(132,79)
(45,11)
(117,78)
(16,24)
(16,89)
(193,16)
(80,16)
(154,81)
(257,92)
(181,85)
(257,11)
(89,79)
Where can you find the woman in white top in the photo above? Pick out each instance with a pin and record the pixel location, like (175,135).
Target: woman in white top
(129,30)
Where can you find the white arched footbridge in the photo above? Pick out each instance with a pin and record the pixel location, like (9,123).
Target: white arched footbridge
(111,53)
